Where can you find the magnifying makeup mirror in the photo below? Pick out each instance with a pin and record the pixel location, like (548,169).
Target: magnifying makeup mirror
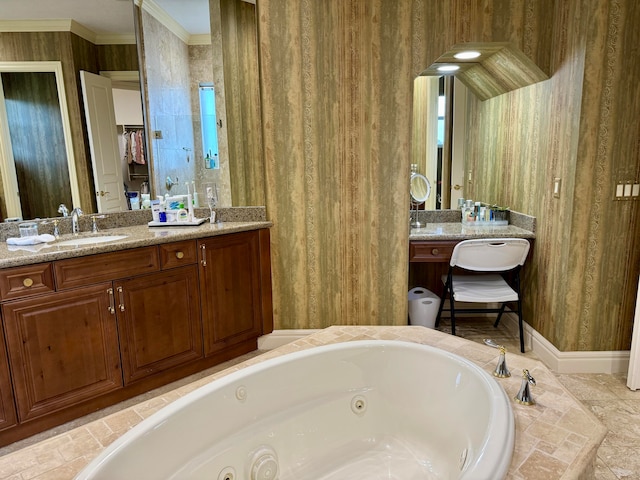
(420,189)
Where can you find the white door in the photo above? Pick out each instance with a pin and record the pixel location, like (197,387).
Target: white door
(103,142)
(458,143)
(633,378)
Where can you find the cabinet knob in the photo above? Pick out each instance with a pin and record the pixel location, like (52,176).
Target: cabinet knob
(179,254)
(27,282)
(435,251)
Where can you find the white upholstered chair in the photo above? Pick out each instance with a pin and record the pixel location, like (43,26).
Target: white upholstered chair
(483,265)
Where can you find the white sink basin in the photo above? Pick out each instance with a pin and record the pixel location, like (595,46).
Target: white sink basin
(74,242)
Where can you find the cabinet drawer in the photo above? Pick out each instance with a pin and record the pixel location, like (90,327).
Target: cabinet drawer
(177,254)
(431,251)
(26,281)
(76,272)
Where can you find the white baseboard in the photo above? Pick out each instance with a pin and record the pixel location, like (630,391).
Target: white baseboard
(610,361)
(614,361)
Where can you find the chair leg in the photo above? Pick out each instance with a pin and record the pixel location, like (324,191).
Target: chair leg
(442,298)
(521,326)
(453,314)
(500,314)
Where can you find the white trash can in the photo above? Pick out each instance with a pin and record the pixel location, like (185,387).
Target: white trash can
(423,307)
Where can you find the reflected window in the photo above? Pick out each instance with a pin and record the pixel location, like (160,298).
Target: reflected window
(441,104)
(209,125)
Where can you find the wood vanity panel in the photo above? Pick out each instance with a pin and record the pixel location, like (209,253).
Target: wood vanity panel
(159,321)
(177,254)
(7,407)
(63,349)
(76,272)
(26,281)
(265,281)
(230,289)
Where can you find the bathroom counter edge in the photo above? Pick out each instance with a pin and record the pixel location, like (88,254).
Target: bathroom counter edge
(458,231)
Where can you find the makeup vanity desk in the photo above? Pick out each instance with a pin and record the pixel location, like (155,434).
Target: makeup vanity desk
(431,246)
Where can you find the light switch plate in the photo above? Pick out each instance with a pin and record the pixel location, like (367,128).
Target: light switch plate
(557,185)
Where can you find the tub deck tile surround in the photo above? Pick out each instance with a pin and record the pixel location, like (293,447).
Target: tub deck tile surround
(557,438)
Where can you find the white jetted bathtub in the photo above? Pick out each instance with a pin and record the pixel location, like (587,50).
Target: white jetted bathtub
(350,411)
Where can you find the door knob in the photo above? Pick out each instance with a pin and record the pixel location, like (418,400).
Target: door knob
(457,187)
(102,193)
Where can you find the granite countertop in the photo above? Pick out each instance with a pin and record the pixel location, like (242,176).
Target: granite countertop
(447,225)
(458,231)
(138,234)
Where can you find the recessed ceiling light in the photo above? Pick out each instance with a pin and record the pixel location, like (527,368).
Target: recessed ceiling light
(448,68)
(467,55)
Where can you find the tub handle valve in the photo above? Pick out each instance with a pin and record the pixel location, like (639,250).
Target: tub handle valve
(501,370)
(523,396)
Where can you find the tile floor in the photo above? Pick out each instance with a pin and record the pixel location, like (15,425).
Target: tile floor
(607,396)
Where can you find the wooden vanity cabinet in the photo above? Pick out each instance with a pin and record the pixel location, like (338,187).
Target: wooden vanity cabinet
(86,332)
(231,288)
(428,262)
(7,407)
(159,319)
(63,349)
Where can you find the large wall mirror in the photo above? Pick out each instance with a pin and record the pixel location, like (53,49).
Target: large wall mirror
(439,137)
(467,72)
(37,168)
(182,97)
(177,96)
(46,151)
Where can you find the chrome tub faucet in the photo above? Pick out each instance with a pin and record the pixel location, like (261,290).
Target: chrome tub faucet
(524,395)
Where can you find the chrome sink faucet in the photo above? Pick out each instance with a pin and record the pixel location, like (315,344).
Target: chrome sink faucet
(62,208)
(76,213)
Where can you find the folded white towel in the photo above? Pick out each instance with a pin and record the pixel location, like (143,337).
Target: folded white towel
(28,248)
(43,238)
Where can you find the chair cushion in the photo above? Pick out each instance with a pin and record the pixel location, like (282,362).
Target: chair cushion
(481,289)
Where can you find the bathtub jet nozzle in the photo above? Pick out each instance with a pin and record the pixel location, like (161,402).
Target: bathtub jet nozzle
(501,370)
(524,395)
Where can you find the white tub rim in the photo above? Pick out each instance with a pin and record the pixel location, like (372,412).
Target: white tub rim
(221,380)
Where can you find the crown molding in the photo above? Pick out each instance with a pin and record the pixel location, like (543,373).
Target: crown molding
(65,25)
(164,18)
(115,39)
(200,39)
(83,31)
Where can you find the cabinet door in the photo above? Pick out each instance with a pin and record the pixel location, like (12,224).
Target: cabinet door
(7,407)
(159,321)
(230,289)
(63,349)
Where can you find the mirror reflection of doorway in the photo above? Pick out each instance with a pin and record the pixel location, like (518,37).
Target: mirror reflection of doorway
(37,142)
(439,135)
(35,130)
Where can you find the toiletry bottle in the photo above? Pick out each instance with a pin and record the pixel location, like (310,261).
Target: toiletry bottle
(189,203)
(196,201)
(183,215)
(155,210)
